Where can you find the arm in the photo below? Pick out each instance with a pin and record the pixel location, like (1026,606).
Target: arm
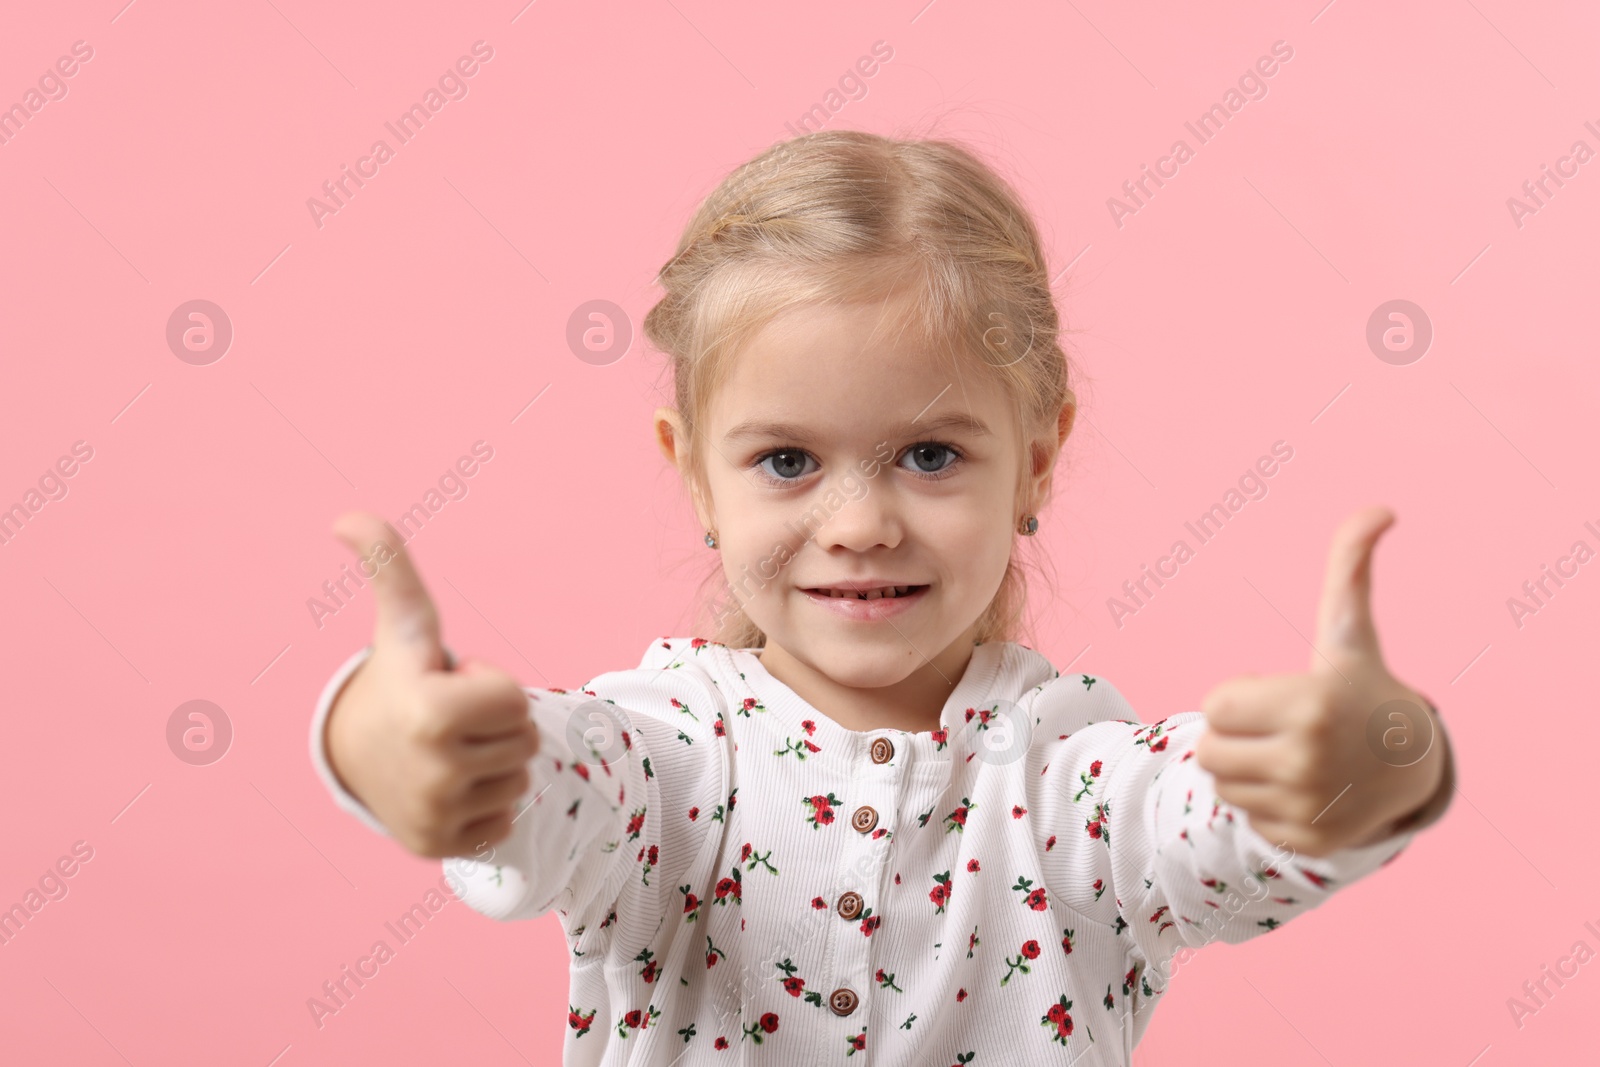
(1142,842)
(568,826)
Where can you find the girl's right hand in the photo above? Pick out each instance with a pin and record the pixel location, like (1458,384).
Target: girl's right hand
(439,756)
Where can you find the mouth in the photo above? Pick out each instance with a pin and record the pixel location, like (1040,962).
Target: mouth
(881,592)
(874,601)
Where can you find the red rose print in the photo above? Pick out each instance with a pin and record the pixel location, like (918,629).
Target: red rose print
(972,866)
(769,1022)
(794,986)
(940,894)
(1030,949)
(721,1044)
(957,819)
(961,994)
(808,726)
(694,813)
(1018,811)
(1094,769)
(1059,1019)
(818,903)
(632,1018)
(821,808)
(1316,879)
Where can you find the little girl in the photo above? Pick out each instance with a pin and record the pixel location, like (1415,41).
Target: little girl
(860,823)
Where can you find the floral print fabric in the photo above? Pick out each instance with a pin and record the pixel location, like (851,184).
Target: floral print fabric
(743,880)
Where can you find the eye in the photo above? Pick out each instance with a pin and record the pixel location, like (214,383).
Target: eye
(787,465)
(931,459)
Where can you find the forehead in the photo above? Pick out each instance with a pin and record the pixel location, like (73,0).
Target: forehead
(853,369)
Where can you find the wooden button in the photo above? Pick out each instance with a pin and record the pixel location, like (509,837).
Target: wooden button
(850,905)
(864,819)
(843,1001)
(882,750)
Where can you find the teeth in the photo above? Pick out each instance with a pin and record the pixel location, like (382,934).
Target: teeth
(871,594)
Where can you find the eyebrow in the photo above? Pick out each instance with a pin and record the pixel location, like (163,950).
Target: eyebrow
(951,421)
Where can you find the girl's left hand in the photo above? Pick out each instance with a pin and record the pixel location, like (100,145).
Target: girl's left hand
(1326,760)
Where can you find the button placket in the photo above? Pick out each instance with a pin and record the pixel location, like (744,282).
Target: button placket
(864,871)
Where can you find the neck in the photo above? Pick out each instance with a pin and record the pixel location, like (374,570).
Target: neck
(912,704)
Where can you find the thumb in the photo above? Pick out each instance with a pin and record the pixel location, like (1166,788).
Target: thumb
(407,623)
(1344,618)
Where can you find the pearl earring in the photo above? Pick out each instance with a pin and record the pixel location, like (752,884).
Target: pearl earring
(711,539)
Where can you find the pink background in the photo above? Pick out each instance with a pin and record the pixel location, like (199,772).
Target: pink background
(370,353)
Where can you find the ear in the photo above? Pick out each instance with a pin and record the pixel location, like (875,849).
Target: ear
(672,435)
(1043,452)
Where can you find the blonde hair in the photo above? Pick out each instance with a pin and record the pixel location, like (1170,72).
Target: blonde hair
(843,216)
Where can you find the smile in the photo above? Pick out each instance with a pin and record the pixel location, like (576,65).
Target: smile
(869,604)
(886,592)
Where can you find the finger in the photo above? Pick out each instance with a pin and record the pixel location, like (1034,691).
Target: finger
(484,759)
(480,703)
(1261,800)
(1241,758)
(1279,832)
(489,830)
(407,623)
(494,794)
(1344,615)
(1253,705)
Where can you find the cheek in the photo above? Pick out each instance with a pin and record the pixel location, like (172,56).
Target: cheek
(974,547)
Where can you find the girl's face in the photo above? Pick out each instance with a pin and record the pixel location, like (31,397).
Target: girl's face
(841,459)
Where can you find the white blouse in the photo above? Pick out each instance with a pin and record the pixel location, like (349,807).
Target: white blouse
(741,879)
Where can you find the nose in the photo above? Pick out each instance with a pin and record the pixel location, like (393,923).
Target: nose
(857,515)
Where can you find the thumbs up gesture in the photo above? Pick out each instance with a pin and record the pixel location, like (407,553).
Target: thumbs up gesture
(438,755)
(1339,756)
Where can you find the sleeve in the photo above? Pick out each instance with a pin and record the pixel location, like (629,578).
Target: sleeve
(586,800)
(1179,865)
(593,793)
(319,742)
(624,766)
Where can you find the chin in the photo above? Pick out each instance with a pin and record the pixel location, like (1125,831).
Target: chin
(864,664)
